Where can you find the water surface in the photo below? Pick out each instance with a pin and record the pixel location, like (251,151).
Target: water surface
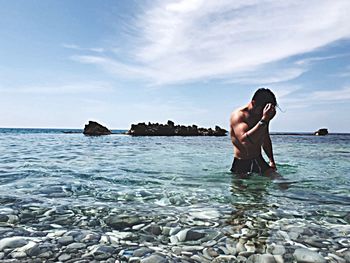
(167,176)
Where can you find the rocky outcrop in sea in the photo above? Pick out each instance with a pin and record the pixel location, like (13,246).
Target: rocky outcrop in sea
(321,132)
(170,129)
(96,129)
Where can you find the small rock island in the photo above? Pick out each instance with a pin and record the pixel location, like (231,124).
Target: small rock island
(321,132)
(170,129)
(95,129)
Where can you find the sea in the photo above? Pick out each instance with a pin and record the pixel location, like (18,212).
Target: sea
(60,180)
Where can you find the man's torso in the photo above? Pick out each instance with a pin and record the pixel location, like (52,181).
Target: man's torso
(253,149)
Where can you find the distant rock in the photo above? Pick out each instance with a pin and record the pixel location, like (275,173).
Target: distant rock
(321,132)
(170,129)
(95,129)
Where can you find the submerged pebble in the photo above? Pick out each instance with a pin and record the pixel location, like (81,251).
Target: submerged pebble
(308,256)
(12,242)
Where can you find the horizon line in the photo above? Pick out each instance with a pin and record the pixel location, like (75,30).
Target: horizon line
(58,128)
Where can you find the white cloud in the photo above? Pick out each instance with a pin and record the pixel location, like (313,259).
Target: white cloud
(180,41)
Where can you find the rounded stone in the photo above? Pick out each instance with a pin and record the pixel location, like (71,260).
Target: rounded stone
(19,254)
(12,219)
(121,222)
(12,242)
(307,256)
(132,260)
(46,254)
(211,252)
(102,252)
(4,218)
(75,246)
(64,257)
(276,249)
(261,258)
(347,256)
(155,258)
(224,259)
(66,240)
(31,249)
(142,251)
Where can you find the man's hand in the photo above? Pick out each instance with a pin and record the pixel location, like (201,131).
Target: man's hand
(273,165)
(269,112)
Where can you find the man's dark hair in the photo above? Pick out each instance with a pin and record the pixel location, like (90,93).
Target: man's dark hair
(264,96)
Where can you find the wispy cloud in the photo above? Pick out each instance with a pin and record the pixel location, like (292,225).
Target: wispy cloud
(188,40)
(76,47)
(261,77)
(67,88)
(332,95)
(116,67)
(304,99)
(308,61)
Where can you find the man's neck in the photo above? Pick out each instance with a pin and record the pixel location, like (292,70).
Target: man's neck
(253,110)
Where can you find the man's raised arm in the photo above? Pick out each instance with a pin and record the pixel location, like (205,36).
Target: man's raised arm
(246,136)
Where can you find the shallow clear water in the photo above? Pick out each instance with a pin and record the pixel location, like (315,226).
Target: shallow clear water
(167,176)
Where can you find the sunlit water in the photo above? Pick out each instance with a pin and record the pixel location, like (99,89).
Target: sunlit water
(165,176)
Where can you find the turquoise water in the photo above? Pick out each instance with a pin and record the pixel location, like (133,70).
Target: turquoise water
(51,166)
(164,177)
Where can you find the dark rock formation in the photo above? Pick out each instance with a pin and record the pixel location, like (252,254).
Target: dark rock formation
(170,129)
(321,132)
(95,129)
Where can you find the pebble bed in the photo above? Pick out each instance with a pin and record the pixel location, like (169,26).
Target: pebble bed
(32,233)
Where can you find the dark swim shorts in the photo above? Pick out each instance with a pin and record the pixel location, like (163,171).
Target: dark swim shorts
(256,165)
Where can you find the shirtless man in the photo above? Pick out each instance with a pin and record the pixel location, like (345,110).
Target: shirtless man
(250,132)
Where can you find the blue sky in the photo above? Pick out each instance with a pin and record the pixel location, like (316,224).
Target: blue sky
(65,62)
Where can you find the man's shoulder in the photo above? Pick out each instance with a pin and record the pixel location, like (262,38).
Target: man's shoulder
(239,113)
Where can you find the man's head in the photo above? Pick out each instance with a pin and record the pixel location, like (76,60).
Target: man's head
(264,96)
